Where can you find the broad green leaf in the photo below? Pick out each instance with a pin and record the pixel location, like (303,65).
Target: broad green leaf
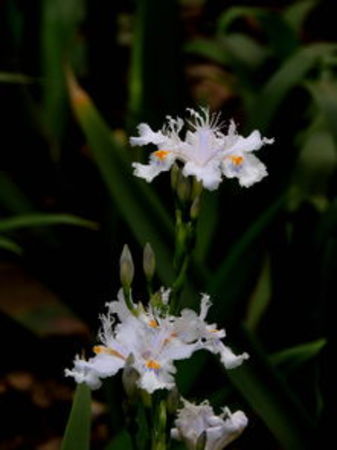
(77,434)
(9,245)
(290,359)
(315,166)
(291,73)
(16,78)
(324,93)
(43,219)
(156,71)
(281,37)
(244,50)
(208,48)
(297,12)
(138,204)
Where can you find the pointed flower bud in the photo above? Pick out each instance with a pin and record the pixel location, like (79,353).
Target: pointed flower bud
(149,262)
(126,267)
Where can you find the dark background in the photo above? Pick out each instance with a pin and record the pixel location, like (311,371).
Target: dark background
(267,254)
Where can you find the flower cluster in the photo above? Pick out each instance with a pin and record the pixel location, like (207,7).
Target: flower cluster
(150,341)
(205,152)
(198,424)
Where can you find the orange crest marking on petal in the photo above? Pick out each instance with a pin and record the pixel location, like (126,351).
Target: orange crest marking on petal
(153,323)
(153,364)
(108,351)
(161,154)
(236,160)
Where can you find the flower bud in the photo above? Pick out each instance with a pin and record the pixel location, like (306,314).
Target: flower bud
(126,267)
(149,262)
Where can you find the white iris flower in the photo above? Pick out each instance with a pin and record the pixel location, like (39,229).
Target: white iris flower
(198,422)
(154,341)
(206,152)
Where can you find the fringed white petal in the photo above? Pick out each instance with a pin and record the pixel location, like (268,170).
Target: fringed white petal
(147,136)
(209,175)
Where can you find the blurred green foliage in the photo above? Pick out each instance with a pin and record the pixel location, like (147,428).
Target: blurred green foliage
(266,255)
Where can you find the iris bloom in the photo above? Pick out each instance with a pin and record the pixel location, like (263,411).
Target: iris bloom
(154,341)
(198,422)
(205,152)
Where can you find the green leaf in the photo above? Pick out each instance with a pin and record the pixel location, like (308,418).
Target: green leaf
(237,265)
(289,359)
(272,400)
(296,13)
(260,298)
(156,71)
(11,198)
(9,245)
(291,73)
(281,37)
(59,22)
(121,442)
(208,48)
(43,219)
(315,167)
(227,18)
(16,78)
(324,93)
(77,434)
(138,204)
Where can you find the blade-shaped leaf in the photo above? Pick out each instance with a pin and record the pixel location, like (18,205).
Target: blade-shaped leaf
(272,400)
(324,94)
(228,278)
(42,219)
(155,75)
(16,78)
(291,73)
(77,434)
(9,245)
(58,27)
(137,203)
(290,359)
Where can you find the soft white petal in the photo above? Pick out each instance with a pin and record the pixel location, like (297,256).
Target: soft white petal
(204,306)
(229,359)
(119,307)
(252,142)
(106,365)
(147,136)
(150,382)
(209,175)
(250,171)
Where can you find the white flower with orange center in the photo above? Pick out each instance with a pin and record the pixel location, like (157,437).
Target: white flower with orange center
(151,342)
(196,424)
(205,152)
(154,341)
(190,327)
